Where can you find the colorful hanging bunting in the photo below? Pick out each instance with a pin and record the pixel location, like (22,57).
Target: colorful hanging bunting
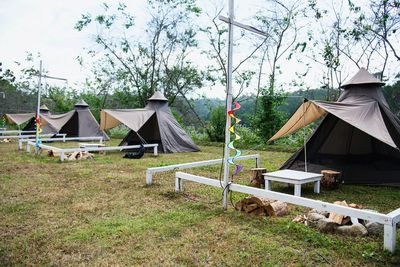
(236,120)
(38,131)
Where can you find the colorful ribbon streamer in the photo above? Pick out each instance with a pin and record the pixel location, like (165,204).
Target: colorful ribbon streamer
(236,120)
(38,131)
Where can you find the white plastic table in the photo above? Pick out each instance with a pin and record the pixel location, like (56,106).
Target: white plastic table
(293,177)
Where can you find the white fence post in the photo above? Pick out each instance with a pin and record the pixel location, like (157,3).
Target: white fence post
(389,237)
(178,184)
(149,177)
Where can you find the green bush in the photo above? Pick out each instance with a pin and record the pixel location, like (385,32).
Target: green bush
(196,134)
(248,138)
(296,139)
(216,128)
(118,132)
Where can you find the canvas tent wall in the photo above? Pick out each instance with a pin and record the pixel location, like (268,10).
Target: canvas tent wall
(19,119)
(79,122)
(46,127)
(359,135)
(154,123)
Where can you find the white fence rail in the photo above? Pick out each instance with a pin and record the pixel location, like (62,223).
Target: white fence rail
(19,132)
(63,151)
(389,220)
(151,171)
(63,139)
(27,136)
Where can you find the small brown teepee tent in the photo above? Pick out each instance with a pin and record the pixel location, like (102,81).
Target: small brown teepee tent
(359,135)
(46,127)
(154,123)
(79,122)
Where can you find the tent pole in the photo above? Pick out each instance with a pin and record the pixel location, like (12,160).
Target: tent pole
(228,105)
(304,136)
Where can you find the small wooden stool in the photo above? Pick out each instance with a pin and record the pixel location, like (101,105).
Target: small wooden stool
(257,177)
(330,179)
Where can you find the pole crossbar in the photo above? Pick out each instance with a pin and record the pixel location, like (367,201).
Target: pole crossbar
(243,26)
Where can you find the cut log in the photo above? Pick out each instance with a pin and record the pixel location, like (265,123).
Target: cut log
(262,206)
(300,219)
(52,153)
(258,211)
(257,178)
(72,156)
(330,179)
(251,207)
(279,208)
(338,218)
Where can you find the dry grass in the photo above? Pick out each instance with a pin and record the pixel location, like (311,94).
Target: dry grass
(101,213)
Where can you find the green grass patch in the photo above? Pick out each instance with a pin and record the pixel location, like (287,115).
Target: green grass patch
(100,212)
(16,208)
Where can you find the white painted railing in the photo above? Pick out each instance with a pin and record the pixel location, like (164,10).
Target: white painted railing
(27,136)
(19,132)
(63,139)
(151,171)
(63,151)
(389,220)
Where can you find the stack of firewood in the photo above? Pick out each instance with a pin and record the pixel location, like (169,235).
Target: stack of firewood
(337,223)
(262,206)
(72,156)
(79,155)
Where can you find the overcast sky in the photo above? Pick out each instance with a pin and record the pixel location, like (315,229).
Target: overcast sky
(47,26)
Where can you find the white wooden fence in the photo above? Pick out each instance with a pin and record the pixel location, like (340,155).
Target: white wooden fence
(63,139)
(63,151)
(27,136)
(151,171)
(18,132)
(389,220)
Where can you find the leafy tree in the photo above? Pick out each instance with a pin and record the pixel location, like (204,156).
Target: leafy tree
(217,124)
(392,94)
(159,58)
(269,118)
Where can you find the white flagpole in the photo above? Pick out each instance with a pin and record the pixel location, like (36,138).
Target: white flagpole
(228,105)
(38,104)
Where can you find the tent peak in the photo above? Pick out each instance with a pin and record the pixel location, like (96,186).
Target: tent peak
(81,103)
(44,108)
(158,96)
(362,77)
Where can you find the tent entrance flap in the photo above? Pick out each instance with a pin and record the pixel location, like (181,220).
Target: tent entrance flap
(306,114)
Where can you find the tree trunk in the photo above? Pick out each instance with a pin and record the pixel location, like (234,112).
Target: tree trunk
(330,179)
(257,177)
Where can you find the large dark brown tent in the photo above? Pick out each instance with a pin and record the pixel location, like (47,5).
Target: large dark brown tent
(155,124)
(359,136)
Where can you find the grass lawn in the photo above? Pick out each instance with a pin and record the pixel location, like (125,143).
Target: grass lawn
(99,212)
